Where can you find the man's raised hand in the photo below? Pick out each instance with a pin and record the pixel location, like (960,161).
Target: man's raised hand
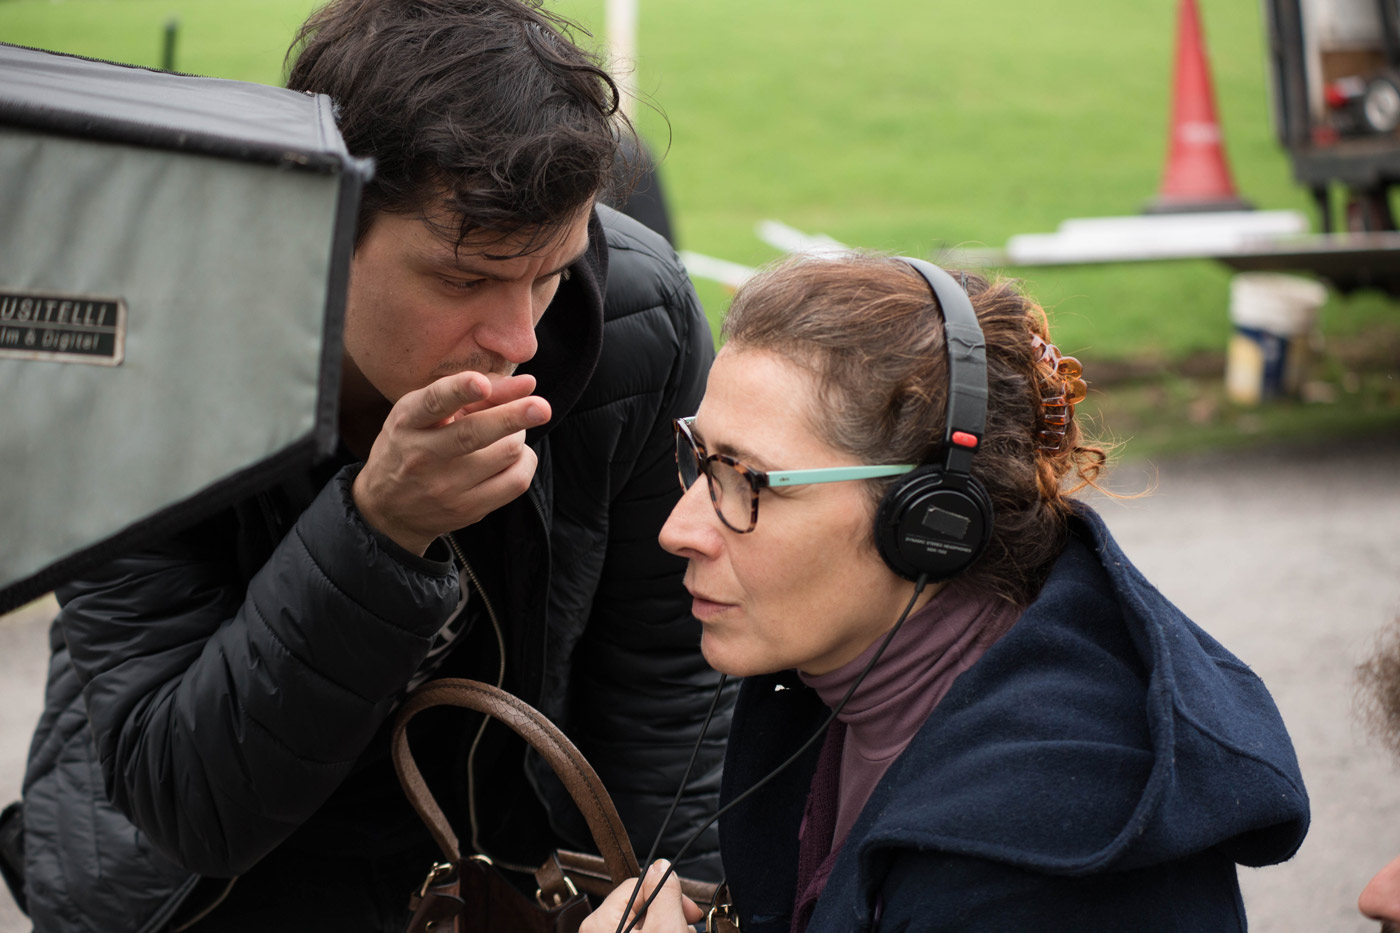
(448,455)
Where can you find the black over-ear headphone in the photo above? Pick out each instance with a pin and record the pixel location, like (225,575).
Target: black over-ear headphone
(937,520)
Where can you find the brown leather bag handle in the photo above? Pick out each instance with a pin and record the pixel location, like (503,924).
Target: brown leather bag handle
(578,776)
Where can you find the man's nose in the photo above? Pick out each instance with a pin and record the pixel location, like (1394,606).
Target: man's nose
(510,328)
(1381,898)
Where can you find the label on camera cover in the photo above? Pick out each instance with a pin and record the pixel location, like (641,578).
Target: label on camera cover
(62,328)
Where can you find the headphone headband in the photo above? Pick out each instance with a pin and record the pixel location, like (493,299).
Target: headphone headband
(936,521)
(967,367)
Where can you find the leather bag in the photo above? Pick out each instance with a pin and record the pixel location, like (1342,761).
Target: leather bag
(468,894)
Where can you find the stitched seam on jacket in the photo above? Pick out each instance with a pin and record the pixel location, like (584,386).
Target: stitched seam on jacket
(346,596)
(670,287)
(301,662)
(616,401)
(662,306)
(292,752)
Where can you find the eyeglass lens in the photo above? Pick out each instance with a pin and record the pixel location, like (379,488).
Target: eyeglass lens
(729,487)
(687,460)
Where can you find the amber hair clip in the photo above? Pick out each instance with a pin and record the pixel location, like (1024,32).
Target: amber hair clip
(1063,387)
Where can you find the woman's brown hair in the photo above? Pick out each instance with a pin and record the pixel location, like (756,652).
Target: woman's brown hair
(867,327)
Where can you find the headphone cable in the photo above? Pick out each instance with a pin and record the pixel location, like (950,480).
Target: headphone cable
(623,926)
(675,801)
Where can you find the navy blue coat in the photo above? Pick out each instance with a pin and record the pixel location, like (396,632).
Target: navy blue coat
(1103,767)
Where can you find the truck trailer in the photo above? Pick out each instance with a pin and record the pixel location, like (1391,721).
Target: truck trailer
(1335,82)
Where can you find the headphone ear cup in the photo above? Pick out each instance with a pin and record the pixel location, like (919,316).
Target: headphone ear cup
(933,523)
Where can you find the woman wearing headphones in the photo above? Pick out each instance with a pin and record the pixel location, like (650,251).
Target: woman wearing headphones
(1044,742)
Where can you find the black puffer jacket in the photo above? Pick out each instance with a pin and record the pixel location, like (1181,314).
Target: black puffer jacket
(229,688)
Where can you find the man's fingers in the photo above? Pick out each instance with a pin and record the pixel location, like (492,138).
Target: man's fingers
(506,484)
(439,399)
(481,429)
(451,398)
(433,469)
(503,389)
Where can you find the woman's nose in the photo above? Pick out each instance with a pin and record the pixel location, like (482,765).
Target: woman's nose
(689,531)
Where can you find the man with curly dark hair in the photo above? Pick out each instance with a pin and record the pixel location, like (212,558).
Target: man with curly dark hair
(214,751)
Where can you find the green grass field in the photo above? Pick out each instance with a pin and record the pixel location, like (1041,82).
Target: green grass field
(894,124)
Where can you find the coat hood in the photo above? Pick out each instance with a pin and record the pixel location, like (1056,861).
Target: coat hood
(1105,732)
(570,335)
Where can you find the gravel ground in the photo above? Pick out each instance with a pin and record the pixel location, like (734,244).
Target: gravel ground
(1290,557)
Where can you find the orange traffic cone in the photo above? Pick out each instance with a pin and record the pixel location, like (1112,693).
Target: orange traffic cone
(1197,177)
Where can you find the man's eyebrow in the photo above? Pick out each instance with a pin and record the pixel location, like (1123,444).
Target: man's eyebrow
(448,261)
(576,258)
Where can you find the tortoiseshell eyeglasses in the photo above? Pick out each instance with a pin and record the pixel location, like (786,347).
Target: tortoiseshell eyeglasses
(734,486)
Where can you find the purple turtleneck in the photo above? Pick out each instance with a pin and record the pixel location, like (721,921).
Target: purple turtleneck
(936,644)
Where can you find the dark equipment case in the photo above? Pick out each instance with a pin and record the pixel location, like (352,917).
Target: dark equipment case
(174,256)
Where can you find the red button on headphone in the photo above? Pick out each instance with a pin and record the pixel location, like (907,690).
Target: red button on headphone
(963,439)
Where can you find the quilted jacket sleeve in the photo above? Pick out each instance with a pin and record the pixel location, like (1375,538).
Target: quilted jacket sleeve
(225,713)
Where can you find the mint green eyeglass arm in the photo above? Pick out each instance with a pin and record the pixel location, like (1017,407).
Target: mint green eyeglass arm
(833,474)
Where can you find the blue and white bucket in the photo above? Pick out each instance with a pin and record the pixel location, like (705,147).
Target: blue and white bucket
(1274,316)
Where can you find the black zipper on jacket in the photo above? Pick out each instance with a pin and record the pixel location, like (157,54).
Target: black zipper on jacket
(486,601)
(461,555)
(533,496)
(219,897)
